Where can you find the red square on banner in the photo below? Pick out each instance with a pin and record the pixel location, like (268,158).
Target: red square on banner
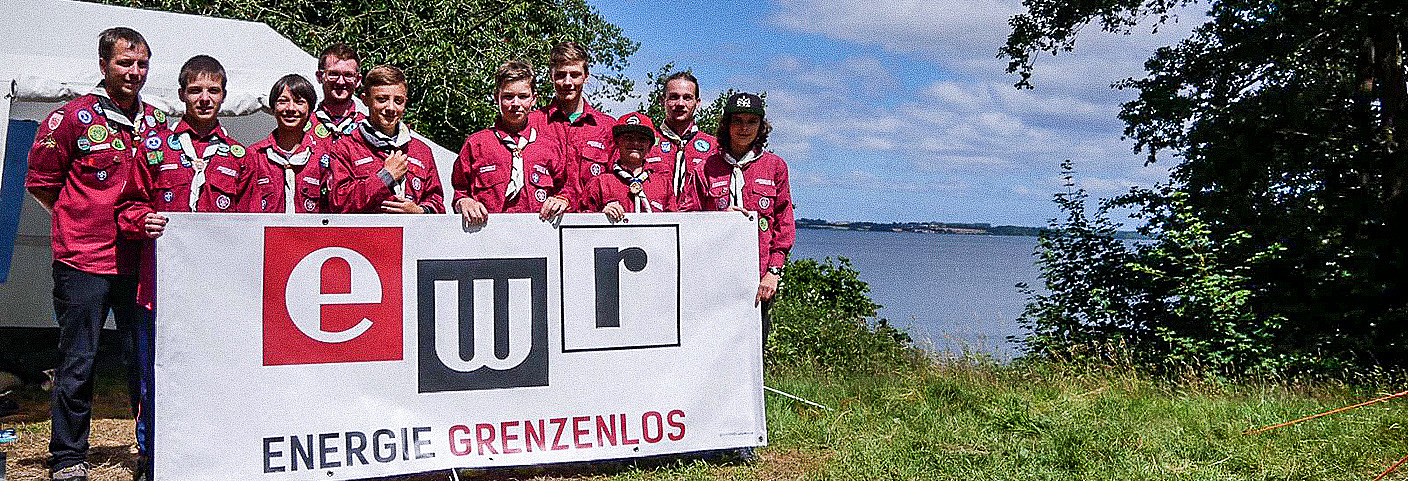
(332,294)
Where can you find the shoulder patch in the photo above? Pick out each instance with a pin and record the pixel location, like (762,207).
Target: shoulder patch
(85,116)
(237,151)
(701,145)
(55,119)
(665,146)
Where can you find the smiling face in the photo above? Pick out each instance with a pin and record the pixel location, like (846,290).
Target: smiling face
(515,101)
(567,82)
(125,71)
(680,99)
(633,147)
(340,79)
(742,130)
(203,96)
(385,104)
(291,111)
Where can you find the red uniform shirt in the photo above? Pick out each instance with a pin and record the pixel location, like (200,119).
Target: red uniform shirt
(226,184)
(765,191)
(611,187)
(86,152)
(697,146)
(359,183)
(588,143)
(305,169)
(485,167)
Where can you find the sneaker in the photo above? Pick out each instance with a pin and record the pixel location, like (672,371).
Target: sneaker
(77,472)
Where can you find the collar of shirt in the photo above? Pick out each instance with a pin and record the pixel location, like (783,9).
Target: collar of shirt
(586,115)
(380,141)
(321,114)
(216,133)
(113,112)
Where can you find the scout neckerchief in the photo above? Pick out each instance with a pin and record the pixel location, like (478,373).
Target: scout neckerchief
(288,162)
(198,162)
(515,146)
(111,110)
(337,127)
(735,181)
(680,142)
(637,183)
(380,142)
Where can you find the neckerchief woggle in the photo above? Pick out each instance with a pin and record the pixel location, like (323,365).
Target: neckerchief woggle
(198,163)
(381,142)
(515,146)
(637,183)
(735,180)
(287,162)
(679,141)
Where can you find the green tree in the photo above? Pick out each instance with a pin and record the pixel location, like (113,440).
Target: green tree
(1282,115)
(449,49)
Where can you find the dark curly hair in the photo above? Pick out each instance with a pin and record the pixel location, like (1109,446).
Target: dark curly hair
(725,143)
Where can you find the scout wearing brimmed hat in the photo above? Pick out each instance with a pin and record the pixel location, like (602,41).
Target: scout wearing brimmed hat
(633,185)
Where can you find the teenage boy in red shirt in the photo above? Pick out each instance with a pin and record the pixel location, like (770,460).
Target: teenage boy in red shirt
(682,146)
(585,131)
(291,155)
(633,185)
(379,167)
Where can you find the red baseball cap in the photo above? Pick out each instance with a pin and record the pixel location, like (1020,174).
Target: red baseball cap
(634,122)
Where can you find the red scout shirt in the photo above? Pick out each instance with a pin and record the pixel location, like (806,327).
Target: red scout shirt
(697,146)
(485,166)
(765,191)
(610,186)
(225,184)
(304,170)
(86,152)
(359,183)
(587,142)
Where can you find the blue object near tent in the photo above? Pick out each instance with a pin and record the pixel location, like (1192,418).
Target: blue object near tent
(17,143)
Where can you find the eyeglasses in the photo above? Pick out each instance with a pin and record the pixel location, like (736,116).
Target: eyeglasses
(336,76)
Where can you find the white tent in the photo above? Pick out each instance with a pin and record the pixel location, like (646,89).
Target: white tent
(50,56)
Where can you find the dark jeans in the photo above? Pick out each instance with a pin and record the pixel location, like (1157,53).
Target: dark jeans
(81,305)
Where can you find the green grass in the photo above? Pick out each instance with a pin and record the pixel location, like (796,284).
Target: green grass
(971,420)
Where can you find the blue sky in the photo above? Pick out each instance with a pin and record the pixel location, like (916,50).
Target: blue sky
(900,111)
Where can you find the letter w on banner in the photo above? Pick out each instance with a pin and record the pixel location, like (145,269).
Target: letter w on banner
(355,346)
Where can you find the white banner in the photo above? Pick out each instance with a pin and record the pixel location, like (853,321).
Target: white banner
(353,346)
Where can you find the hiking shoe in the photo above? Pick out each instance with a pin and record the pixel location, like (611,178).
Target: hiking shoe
(77,472)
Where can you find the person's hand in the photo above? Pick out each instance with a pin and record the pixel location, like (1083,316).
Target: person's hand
(746,213)
(401,205)
(472,211)
(396,164)
(614,211)
(153,225)
(552,207)
(766,288)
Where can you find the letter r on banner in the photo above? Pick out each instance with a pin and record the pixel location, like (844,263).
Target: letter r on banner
(332,294)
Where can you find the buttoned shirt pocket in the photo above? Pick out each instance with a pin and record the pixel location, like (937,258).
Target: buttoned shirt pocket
(172,187)
(224,189)
(366,167)
(310,190)
(490,181)
(761,197)
(97,168)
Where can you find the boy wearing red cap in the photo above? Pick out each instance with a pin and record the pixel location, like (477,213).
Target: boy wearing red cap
(379,167)
(515,166)
(633,185)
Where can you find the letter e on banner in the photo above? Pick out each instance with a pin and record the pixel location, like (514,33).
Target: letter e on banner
(332,295)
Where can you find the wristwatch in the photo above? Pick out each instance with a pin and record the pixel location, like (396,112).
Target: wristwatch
(777,271)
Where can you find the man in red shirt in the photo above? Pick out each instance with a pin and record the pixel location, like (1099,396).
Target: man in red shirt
(83,155)
(338,73)
(682,147)
(584,131)
(516,166)
(379,167)
(633,185)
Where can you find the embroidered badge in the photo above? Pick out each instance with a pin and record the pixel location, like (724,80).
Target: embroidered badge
(541,195)
(599,145)
(160,116)
(262,181)
(48,142)
(223,150)
(311,180)
(117,144)
(722,203)
(174,142)
(348,129)
(55,118)
(98,109)
(169,167)
(665,146)
(363,161)
(764,202)
(83,144)
(154,158)
(415,183)
(324,160)
(227,171)
(416,162)
(652,159)
(237,151)
(596,170)
(151,121)
(763,224)
(223,202)
(764,181)
(85,117)
(263,204)
(488,168)
(321,131)
(701,145)
(168,196)
(536,176)
(309,205)
(102,175)
(152,143)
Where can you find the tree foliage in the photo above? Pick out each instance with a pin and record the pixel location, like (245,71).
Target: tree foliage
(449,49)
(1283,117)
(824,318)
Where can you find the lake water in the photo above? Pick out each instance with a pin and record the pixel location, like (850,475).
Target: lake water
(950,292)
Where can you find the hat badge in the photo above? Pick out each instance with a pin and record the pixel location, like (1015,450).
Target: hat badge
(633,120)
(744,102)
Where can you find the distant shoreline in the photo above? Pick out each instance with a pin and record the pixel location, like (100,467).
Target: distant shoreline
(939,228)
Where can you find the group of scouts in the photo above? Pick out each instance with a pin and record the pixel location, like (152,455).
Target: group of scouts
(106,165)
